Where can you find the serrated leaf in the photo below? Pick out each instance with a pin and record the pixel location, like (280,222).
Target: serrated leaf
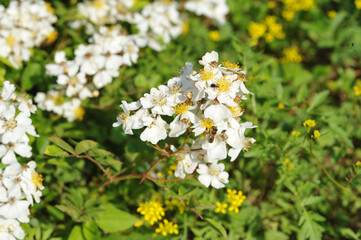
(318,100)
(114,220)
(61,143)
(310,228)
(341,133)
(217,226)
(312,200)
(84,146)
(55,151)
(76,234)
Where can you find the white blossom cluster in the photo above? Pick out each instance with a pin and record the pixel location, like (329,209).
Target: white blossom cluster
(205,103)
(19,185)
(214,9)
(96,64)
(24,25)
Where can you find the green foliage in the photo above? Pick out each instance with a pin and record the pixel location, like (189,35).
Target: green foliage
(290,195)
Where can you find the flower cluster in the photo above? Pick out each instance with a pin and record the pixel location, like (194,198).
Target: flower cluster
(357,88)
(310,128)
(205,103)
(24,25)
(112,46)
(234,198)
(268,28)
(291,54)
(293,6)
(153,212)
(167,227)
(214,9)
(19,185)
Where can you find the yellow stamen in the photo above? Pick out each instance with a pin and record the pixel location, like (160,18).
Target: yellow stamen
(181,108)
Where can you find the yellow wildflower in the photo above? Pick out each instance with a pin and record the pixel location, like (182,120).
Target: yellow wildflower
(295,133)
(138,224)
(316,134)
(281,106)
(358,164)
(357,88)
(332,14)
(79,113)
(152,211)
(185,28)
(288,164)
(221,207)
(235,199)
(358,4)
(309,123)
(256,30)
(167,227)
(272,4)
(214,36)
(175,202)
(291,54)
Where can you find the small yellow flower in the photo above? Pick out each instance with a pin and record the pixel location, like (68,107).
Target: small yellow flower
(256,30)
(152,211)
(214,36)
(167,227)
(309,123)
(221,207)
(185,28)
(281,106)
(288,164)
(295,133)
(138,224)
(79,113)
(357,88)
(332,14)
(358,164)
(235,199)
(291,54)
(272,4)
(358,4)
(175,203)
(316,134)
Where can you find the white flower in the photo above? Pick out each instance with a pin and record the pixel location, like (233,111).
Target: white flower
(213,175)
(10,229)
(185,163)
(7,152)
(218,113)
(159,101)
(155,132)
(209,58)
(15,209)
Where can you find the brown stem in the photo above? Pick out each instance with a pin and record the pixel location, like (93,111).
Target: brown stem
(110,177)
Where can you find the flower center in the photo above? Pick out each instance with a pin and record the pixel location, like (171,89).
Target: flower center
(174,89)
(231,65)
(224,84)
(160,99)
(236,111)
(207,123)
(207,74)
(180,157)
(123,117)
(181,108)
(99,4)
(213,172)
(10,40)
(37,179)
(10,125)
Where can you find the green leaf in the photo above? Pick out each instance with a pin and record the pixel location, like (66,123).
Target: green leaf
(310,227)
(30,76)
(60,162)
(114,220)
(84,146)
(41,143)
(302,93)
(91,231)
(349,233)
(341,133)
(76,234)
(55,151)
(318,100)
(99,153)
(217,226)
(61,143)
(6,62)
